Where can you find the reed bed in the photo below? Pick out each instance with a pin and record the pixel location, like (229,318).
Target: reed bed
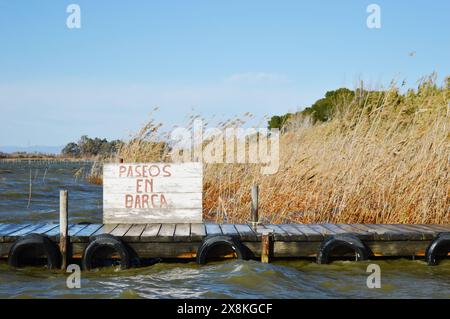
(383,158)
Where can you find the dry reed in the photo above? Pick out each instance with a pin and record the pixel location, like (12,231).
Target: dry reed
(383,158)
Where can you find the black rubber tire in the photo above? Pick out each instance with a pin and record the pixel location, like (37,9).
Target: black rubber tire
(439,245)
(342,240)
(210,242)
(39,243)
(101,242)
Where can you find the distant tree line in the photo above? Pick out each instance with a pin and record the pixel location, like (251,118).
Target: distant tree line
(88,147)
(325,109)
(321,111)
(26,155)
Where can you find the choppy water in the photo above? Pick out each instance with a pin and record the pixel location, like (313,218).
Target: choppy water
(19,204)
(236,279)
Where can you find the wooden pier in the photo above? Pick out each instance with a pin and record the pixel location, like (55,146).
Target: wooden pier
(181,241)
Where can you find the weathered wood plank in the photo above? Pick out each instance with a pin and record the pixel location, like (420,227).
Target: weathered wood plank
(321,229)
(88,230)
(416,233)
(245,232)
(438,228)
(150,232)
(84,234)
(152,192)
(11,228)
(362,234)
(121,230)
(291,240)
(198,232)
(229,230)
(5,229)
(172,201)
(259,230)
(182,232)
(166,233)
(157,216)
(184,170)
(25,231)
(134,233)
(3,226)
(423,228)
(281,232)
(281,249)
(166,249)
(278,233)
(311,234)
(135,230)
(397,233)
(381,232)
(402,248)
(335,229)
(213,230)
(105,229)
(359,230)
(76,228)
(294,233)
(45,228)
(384,233)
(430,231)
(175,186)
(373,233)
(54,233)
(284,249)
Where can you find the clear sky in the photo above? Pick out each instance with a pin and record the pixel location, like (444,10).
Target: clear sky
(220,58)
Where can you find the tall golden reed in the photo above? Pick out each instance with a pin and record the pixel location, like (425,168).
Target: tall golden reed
(383,158)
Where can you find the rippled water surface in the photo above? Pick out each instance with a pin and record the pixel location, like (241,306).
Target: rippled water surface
(400,278)
(29,192)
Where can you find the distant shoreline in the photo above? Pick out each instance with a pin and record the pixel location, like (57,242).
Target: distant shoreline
(39,157)
(29,156)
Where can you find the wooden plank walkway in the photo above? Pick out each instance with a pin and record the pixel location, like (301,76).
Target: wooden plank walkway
(182,240)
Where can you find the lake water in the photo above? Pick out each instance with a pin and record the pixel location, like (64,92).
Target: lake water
(400,278)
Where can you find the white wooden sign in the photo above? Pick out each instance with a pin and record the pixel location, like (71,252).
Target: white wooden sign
(152,193)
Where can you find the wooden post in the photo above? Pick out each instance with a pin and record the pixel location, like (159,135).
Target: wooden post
(255,205)
(63,225)
(266,243)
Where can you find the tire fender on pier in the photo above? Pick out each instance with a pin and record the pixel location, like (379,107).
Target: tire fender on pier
(100,250)
(342,241)
(438,248)
(215,242)
(32,248)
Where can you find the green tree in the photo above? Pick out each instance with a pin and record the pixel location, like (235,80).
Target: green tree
(71,150)
(324,109)
(279,121)
(90,147)
(110,148)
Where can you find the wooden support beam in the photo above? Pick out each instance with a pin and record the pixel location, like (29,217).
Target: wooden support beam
(266,246)
(63,226)
(255,205)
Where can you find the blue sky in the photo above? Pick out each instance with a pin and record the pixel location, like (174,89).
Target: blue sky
(213,58)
